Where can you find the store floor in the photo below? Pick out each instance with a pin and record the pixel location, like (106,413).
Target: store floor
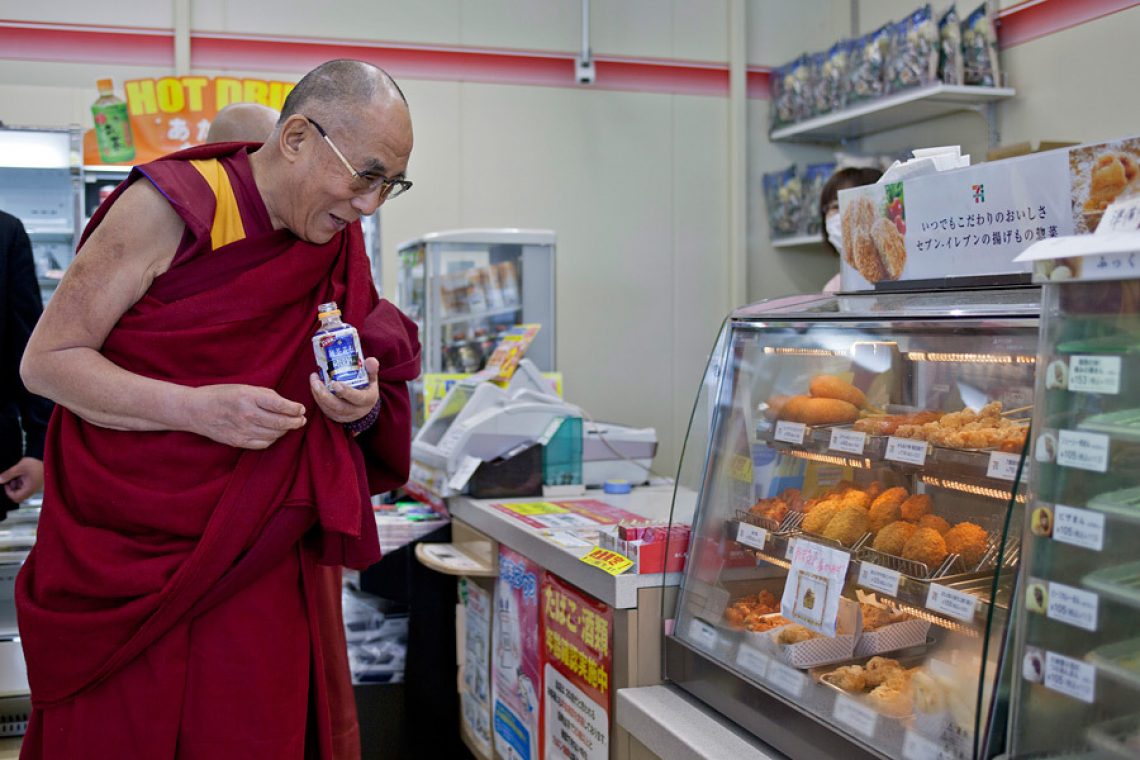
(10,748)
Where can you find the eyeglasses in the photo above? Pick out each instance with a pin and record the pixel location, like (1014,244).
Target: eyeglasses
(366,184)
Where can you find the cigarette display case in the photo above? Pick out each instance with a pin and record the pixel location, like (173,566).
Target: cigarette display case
(858,460)
(1077,661)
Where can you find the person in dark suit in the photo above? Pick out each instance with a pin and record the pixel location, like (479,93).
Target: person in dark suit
(23,416)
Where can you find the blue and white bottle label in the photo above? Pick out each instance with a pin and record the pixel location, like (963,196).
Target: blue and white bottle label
(339,358)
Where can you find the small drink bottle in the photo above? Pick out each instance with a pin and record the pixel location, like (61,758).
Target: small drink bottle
(112,126)
(337,349)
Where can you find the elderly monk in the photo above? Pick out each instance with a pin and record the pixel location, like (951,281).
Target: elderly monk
(242,122)
(202,486)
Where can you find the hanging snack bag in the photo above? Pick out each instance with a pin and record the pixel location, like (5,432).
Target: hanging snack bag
(950,57)
(815,176)
(868,61)
(817,94)
(979,49)
(783,194)
(782,113)
(800,87)
(913,61)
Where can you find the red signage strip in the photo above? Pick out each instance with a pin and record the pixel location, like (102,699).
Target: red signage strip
(1034,19)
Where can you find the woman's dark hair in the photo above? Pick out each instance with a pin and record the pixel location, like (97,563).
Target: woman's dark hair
(852,176)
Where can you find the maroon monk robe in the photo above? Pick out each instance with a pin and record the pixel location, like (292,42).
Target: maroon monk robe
(173,605)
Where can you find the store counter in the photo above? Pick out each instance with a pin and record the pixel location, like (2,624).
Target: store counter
(664,721)
(546,640)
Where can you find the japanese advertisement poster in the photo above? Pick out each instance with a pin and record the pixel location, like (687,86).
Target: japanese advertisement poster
(577,634)
(517,688)
(475,689)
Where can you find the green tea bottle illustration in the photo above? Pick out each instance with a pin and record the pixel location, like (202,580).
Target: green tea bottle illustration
(112,126)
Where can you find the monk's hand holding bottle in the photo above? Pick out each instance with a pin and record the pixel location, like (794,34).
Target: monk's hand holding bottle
(343,403)
(244,416)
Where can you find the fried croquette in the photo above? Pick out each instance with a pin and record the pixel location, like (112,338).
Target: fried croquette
(896,495)
(936,522)
(892,538)
(969,541)
(830,386)
(883,513)
(818,411)
(927,546)
(817,519)
(915,507)
(847,526)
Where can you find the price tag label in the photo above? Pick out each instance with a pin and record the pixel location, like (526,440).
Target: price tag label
(702,634)
(1094,374)
(1071,677)
(750,535)
(918,747)
(466,469)
(1072,605)
(906,450)
(1084,451)
(1003,466)
(847,441)
(951,602)
(609,561)
(752,661)
(879,579)
(859,717)
(790,432)
(788,680)
(814,584)
(1079,527)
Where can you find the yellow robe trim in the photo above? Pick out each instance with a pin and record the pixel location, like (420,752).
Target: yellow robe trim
(227,227)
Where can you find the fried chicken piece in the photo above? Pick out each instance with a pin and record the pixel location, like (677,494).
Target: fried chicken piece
(761,623)
(969,541)
(878,669)
(847,526)
(915,507)
(892,538)
(890,700)
(875,617)
(794,634)
(850,678)
(927,546)
(817,519)
(934,521)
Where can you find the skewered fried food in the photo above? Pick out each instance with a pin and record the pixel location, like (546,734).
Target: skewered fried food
(968,540)
(887,424)
(926,545)
(892,538)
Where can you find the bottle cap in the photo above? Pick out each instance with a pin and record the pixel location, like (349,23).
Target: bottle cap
(617,486)
(327,310)
(105,85)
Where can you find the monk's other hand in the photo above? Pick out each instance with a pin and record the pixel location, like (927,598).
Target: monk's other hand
(23,479)
(245,416)
(342,403)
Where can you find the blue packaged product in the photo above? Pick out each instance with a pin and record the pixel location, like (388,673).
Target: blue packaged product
(815,177)
(336,346)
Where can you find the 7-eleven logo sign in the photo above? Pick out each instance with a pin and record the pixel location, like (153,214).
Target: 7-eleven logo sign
(979,193)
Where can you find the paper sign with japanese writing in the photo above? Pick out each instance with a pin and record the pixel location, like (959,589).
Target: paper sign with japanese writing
(475,689)
(609,561)
(171,113)
(516,675)
(571,513)
(814,585)
(577,653)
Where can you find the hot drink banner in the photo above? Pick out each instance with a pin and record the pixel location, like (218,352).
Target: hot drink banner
(166,114)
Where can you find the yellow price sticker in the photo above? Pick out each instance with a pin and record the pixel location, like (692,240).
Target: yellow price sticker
(610,561)
(528,508)
(740,468)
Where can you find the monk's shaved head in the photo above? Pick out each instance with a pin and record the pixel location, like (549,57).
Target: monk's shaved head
(242,122)
(340,87)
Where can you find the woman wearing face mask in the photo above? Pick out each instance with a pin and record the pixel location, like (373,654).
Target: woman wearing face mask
(852,176)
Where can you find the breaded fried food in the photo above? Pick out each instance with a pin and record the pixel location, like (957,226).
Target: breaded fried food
(968,540)
(891,247)
(817,519)
(892,538)
(890,700)
(866,259)
(850,678)
(855,498)
(847,526)
(926,545)
(936,522)
(857,217)
(818,411)
(794,634)
(897,495)
(883,513)
(879,669)
(874,489)
(915,507)
(830,386)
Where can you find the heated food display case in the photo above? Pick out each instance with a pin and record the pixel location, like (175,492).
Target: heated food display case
(854,550)
(1077,692)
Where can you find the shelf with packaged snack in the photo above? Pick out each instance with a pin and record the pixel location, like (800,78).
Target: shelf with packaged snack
(473,316)
(892,111)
